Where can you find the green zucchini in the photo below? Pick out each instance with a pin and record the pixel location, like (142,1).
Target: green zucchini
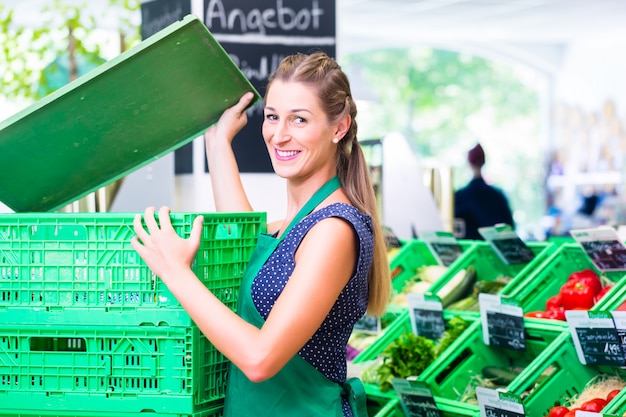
(458,287)
(500,375)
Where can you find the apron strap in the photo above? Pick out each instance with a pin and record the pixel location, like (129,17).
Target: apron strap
(355,394)
(319,196)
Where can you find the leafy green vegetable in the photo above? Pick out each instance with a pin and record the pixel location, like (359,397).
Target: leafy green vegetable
(456,326)
(407,356)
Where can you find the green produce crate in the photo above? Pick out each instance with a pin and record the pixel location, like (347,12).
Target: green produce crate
(546,281)
(399,326)
(387,404)
(80,267)
(451,373)
(489,266)
(109,369)
(556,375)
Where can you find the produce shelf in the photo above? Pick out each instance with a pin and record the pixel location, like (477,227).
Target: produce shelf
(556,375)
(534,290)
(489,266)
(459,368)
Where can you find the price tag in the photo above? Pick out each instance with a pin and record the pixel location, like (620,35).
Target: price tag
(595,337)
(603,246)
(426,313)
(494,403)
(580,413)
(507,244)
(503,322)
(416,399)
(443,245)
(619,320)
(368,324)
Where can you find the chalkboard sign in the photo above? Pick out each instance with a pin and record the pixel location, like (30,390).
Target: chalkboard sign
(443,245)
(494,403)
(429,323)
(157,15)
(447,252)
(415,397)
(600,346)
(595,338)
(619,319)
(426,315)
(507,244)
(368,324)
(506,331)
(503,322)
(603,246)
(257,36)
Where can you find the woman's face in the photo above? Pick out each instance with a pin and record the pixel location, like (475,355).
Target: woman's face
(297,133)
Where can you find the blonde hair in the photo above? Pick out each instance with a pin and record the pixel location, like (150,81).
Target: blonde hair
(333,88)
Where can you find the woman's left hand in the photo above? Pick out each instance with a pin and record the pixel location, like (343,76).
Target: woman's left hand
(163,250)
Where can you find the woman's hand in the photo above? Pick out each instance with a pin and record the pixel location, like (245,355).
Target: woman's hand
(231,121)
(163,250)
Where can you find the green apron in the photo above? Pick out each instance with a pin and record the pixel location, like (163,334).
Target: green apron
(298,389)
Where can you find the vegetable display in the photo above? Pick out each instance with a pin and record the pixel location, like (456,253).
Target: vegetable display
(594,398)
(582,290)
(410,354)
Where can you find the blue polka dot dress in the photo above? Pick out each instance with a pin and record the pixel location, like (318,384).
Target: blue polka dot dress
(326,350)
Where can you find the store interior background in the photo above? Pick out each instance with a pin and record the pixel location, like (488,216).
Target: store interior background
(574,145)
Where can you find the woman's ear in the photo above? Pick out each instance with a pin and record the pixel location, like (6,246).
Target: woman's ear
(343,126)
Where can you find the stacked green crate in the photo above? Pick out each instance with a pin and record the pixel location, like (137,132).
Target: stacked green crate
(454,375)
(489,267)
(544,282)
(94,331)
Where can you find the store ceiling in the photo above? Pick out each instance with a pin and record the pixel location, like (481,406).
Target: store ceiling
(554,22)
(534,32)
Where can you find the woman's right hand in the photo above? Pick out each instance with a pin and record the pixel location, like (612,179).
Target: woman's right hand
(231,121)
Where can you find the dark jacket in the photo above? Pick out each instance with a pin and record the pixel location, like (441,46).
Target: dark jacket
(481,205)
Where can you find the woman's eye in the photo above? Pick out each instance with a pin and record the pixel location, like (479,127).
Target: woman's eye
(271,117)
(299,120)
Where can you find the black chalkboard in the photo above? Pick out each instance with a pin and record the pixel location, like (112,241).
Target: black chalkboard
(607,255)
(419,406)
(429,323)
(513,250)
(257,36)
(368,324)
(506,331)
(601,346)
(446,252)
(498,412)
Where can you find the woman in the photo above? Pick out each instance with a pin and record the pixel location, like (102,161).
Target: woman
(314,274)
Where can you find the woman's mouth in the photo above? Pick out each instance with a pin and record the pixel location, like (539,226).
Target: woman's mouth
(285,155)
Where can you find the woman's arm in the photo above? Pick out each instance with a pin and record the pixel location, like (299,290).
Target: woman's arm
(228,192)
(325,260)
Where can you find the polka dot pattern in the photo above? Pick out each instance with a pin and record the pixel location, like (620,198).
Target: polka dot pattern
(326,350)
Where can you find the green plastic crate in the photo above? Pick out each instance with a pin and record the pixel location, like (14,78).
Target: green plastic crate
(489,266)
(557,375)
(80,267)
(388,405)
(398,327)
(109,369)
(546,281)
(450,374)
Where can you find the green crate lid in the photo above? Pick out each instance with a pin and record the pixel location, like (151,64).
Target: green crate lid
(126,113)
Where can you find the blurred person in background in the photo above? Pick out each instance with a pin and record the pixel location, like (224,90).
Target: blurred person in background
(479,204)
